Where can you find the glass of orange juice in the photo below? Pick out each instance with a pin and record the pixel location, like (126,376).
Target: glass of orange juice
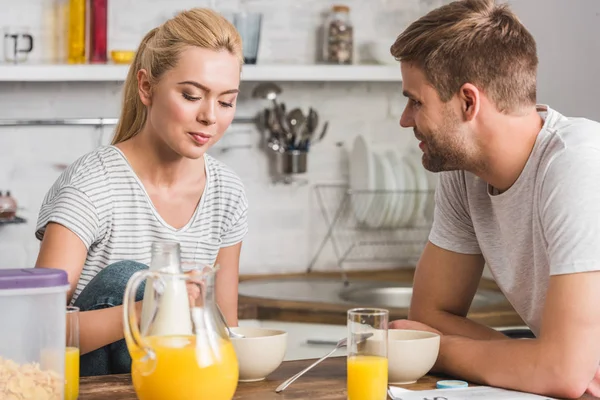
(72,355)
(367,361)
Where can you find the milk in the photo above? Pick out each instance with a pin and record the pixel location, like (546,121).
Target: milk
(173,308)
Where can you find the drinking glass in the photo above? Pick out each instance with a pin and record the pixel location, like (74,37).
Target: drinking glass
(248,24)
(72,355)
(367,361)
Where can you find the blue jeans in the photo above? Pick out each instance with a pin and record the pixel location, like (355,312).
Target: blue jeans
(106,290)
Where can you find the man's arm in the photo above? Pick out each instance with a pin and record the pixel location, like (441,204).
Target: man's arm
(444,285)
(561,362)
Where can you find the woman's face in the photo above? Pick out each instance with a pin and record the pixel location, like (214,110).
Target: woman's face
(193,104)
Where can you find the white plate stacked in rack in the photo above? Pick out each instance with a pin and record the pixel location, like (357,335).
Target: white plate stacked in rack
(389,189)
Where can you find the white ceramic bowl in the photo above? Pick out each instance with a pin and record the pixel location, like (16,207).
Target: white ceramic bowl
(411,354)
(259,353)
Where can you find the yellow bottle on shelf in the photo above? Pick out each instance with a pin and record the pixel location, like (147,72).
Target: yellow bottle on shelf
(76,41)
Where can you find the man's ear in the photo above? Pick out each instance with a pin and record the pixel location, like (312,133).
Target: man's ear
(470,101)
(144,87)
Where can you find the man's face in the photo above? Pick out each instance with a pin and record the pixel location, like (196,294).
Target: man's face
(437,125)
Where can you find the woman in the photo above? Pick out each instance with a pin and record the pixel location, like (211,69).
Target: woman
(154,182)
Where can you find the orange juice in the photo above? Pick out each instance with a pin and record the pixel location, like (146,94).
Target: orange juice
(71,373)
(178,375)
(367,378)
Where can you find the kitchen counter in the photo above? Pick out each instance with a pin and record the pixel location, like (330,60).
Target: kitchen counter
(261,308)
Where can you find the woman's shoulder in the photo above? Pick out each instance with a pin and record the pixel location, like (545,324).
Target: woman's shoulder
(222,176)
(93,164)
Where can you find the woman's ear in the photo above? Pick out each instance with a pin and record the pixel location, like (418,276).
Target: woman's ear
(144,87)
(470,99)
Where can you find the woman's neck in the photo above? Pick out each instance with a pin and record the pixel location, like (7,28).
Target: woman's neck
(156,164)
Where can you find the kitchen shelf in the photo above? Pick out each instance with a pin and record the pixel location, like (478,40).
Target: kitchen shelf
(250,73)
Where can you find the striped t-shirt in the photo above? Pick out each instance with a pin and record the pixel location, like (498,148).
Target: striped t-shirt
(100,199)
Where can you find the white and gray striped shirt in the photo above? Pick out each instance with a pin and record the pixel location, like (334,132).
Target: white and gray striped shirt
(101,200)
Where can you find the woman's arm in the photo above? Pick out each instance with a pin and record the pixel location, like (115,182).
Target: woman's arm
(226,284)
(62,249)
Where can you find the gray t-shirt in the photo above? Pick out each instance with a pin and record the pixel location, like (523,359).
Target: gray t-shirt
(101,199)
(547,223)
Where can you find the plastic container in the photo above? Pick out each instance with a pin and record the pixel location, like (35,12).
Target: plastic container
(33,334)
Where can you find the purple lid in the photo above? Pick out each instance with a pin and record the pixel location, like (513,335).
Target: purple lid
(28,278)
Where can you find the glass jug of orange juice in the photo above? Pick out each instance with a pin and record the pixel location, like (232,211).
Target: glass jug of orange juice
(198,364)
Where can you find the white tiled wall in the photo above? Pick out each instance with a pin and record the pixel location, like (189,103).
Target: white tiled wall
(284,225)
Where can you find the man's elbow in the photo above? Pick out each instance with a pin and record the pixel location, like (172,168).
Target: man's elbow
(567,380)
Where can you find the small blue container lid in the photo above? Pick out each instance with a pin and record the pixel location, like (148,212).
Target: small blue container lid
(32,278)
(451,384)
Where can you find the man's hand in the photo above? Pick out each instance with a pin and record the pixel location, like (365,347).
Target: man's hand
(413,325)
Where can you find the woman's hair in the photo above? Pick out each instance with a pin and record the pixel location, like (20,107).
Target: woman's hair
(159,51)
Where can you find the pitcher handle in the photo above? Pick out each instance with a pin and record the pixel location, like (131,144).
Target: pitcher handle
(130,319)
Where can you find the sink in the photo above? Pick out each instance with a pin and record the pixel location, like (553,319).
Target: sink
(383,294)
(400,297)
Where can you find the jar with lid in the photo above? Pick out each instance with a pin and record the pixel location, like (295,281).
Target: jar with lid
(339,36)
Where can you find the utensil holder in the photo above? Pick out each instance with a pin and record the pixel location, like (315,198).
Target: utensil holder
(292,161)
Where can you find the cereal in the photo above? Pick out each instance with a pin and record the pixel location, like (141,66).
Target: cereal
(28,382)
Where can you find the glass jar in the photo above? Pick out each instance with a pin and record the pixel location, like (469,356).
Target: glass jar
(76,35)
(339,36)
(98,30)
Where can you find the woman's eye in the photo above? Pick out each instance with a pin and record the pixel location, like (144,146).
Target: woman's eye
(190,98)
(225,104)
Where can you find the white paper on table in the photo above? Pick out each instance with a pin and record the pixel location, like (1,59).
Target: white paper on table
(468,393)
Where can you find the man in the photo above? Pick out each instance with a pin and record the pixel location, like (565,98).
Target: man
(519,189)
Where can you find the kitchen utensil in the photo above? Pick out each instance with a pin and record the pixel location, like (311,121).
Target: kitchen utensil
(411,354)
(184,351)
(324,131)
(260,352)
(390,394)
(296,121)
(266,90)
(32,338)
(232,334)
(341,343)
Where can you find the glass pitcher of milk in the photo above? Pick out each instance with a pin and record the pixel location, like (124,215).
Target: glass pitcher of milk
(181,350)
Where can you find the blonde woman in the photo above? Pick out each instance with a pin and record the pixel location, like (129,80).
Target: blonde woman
(154,182)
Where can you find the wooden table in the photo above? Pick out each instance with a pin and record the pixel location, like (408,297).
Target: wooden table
(327,381)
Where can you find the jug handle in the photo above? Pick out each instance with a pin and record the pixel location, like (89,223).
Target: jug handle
(130,319)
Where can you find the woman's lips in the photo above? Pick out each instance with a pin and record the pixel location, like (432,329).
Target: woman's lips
(199,137)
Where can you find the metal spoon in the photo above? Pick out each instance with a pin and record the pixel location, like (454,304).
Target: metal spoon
(341,343)
(389,393)
(231,333)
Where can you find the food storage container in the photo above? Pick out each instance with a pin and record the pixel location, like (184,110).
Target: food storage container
(32,333)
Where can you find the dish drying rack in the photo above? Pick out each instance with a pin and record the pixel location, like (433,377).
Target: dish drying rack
(356,240)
